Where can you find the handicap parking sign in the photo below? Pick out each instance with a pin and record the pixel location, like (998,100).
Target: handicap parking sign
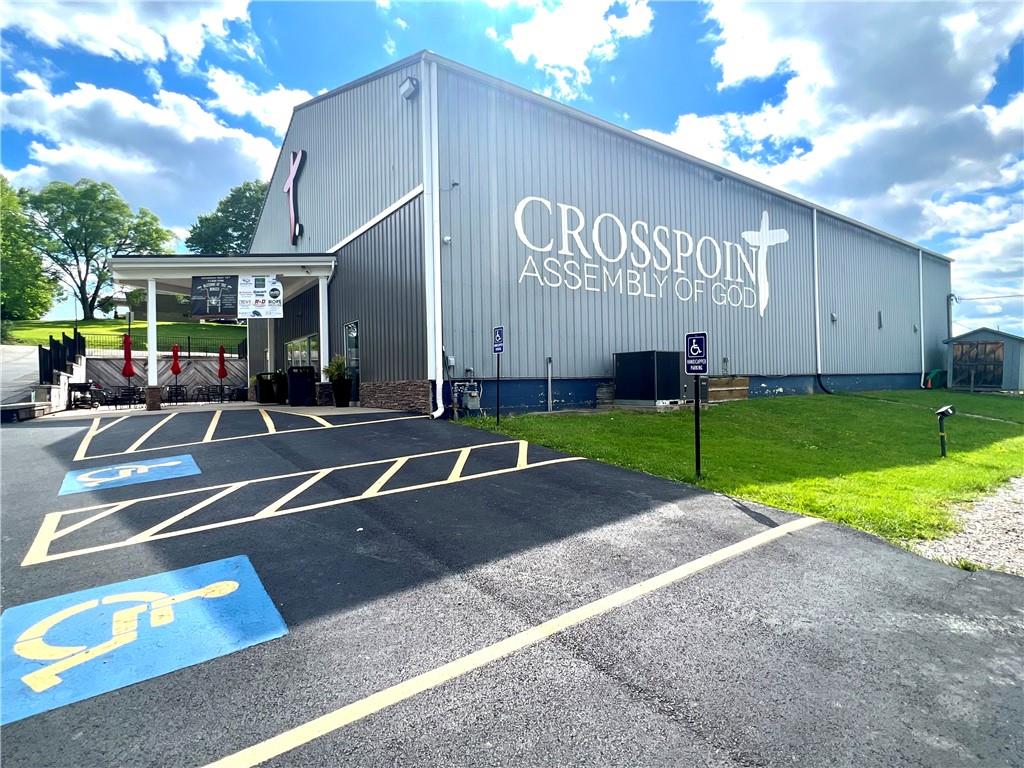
(73,647)
(696,354)
(498,339)
(128,473)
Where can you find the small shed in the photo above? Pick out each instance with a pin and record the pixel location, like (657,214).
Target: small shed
(985,359)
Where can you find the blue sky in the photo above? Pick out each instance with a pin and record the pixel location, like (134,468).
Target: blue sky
(908,116)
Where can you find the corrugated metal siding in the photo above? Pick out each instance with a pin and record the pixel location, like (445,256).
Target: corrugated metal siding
(258,346)
(379,283)
(301,318)
(500,148)
(363,153)
(861,274)
(936,289)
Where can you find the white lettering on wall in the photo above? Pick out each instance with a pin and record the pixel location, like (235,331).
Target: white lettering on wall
(728,276)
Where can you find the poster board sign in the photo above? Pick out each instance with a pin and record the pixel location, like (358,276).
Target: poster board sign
(260,296)
(215,296)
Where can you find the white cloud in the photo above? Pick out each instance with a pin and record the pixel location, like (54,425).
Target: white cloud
(891,128)
(562,39)
(236,96)
(154,77)
(492,33)
(139,32)
(171,156)
(384,4)
(401,23)
(389,44)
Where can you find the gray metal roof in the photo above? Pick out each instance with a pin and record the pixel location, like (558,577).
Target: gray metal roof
(611,127)
(984,329)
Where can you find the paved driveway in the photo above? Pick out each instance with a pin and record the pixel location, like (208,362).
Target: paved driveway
(421,593)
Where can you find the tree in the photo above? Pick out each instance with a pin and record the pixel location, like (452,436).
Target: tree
(230,228)
(80,227)
(26,290)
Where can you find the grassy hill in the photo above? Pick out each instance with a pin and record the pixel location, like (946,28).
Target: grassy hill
(39,331)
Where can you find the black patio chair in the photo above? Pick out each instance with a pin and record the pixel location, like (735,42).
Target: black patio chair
(176,393)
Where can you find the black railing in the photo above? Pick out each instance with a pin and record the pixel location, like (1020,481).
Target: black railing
(112,345)
(58,355)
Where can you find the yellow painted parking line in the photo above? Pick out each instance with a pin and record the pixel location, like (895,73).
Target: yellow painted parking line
(302,487)
(150,532)
(271,429)
(149,433)
(388,473)
(318,419)
(81,455)
(460,464)
(39,549)
(521,459)
(357,710)
(213,426)
(94,429)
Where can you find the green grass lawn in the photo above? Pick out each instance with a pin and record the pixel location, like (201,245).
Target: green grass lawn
(993,405)
(39,331)
(856,460)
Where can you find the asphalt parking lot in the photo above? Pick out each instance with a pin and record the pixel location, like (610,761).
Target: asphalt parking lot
(382,589)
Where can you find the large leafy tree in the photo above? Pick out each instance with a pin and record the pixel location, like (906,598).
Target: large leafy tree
(80,227)
(26,290)
(229,229)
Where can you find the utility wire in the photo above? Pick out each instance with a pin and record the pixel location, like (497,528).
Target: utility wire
(987,298)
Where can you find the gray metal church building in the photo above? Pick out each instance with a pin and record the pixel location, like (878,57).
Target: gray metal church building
(454,202)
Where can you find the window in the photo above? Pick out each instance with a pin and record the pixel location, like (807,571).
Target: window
(304,351)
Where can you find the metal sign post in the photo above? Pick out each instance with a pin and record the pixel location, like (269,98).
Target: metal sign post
(498,343)
(696,365)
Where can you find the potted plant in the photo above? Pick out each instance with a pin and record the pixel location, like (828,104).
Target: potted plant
(336,372)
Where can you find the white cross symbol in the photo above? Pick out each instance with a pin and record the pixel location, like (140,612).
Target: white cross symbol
(297,159)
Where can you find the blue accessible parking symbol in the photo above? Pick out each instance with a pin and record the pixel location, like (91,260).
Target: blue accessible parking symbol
(73,647)
(128,473)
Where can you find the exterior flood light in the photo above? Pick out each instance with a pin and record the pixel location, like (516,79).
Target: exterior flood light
(408,88)
(942,413)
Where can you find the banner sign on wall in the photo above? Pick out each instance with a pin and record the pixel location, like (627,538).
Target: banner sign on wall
(215,296)
(260,296)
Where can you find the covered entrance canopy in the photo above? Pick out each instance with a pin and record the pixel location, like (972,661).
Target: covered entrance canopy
(174,273)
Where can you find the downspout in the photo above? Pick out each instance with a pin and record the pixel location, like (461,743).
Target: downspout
(817,305)
(920,307)
(431,230)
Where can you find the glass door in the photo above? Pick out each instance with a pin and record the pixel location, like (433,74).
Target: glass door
(352,355)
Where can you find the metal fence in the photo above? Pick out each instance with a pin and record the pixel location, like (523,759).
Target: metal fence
(112,345)
(58,355)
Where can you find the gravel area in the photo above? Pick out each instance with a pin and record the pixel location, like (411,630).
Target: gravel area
(992,534)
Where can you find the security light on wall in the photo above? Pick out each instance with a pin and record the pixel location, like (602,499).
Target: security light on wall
(408,88)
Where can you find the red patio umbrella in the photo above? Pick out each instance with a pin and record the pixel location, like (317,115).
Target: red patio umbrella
(222,370)
(127,370)
(175,365)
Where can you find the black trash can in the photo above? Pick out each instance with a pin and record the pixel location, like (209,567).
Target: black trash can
(280,387)
(302,385)
(265,388)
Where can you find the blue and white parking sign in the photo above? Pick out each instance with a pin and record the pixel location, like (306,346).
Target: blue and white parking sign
(73,647)
(697,354)
(498,337)
(128,473)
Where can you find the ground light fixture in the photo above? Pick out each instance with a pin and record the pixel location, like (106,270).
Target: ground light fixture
(942,413)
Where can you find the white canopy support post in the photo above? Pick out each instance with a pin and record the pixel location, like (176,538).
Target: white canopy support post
(325,338)
(151,365)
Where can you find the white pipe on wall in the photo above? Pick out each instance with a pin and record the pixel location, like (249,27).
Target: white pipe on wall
(920,308)
(817,300)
